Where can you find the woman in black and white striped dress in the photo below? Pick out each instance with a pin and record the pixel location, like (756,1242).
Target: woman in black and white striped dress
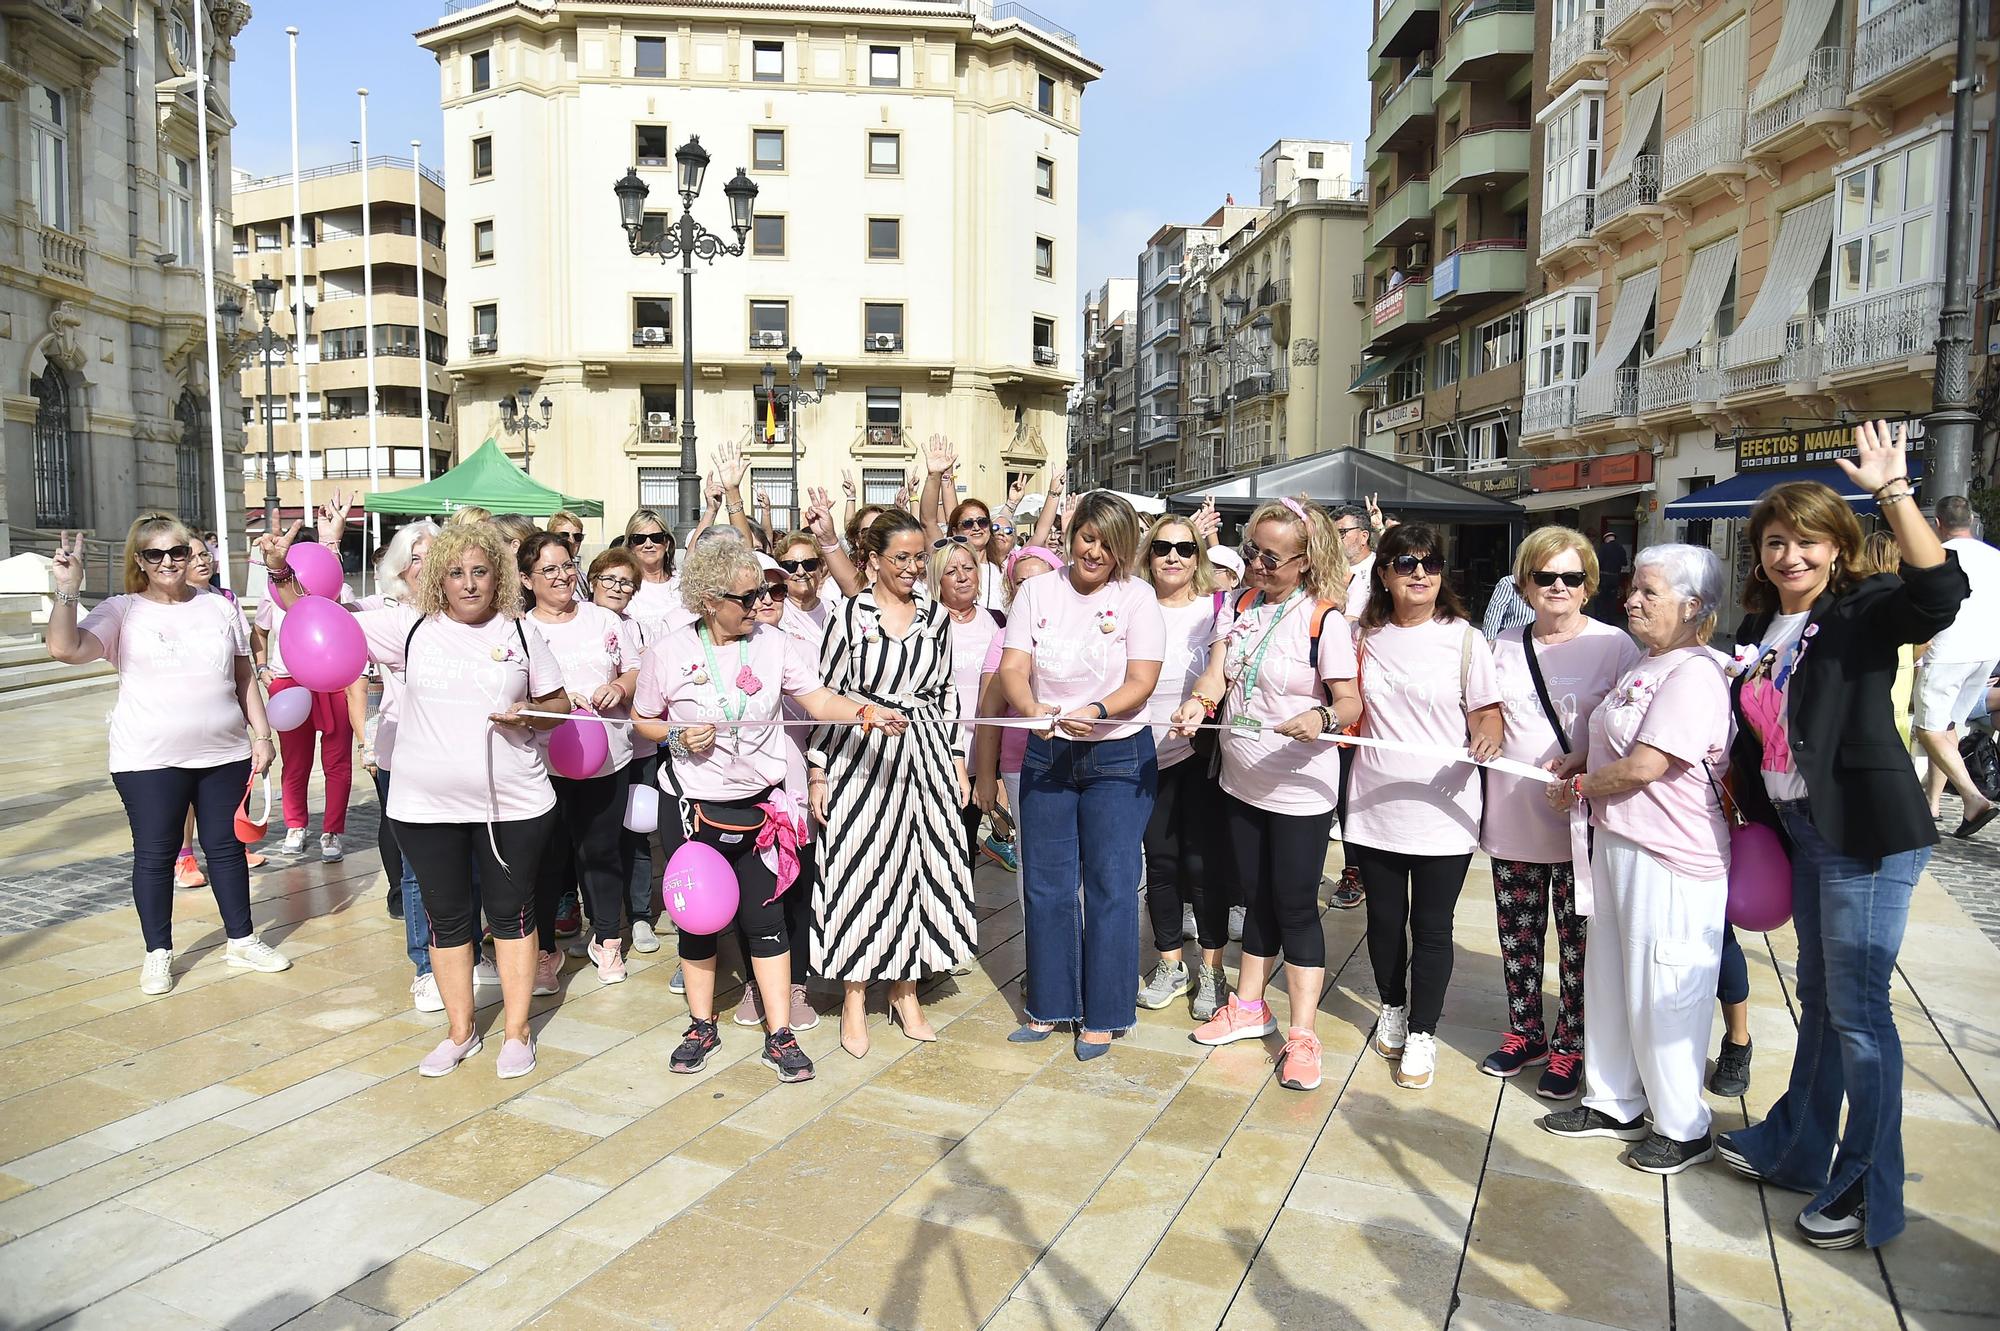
(894,897)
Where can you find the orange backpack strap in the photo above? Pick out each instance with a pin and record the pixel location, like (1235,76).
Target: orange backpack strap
(1320,612)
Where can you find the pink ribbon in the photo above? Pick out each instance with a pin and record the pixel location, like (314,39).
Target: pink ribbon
(779,839)
(1579,859)
(1293,505)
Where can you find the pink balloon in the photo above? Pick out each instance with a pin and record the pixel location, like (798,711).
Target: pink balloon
(288,709)
(317,569)
(642,808)
(700,889)
(1760,879)
(322,644)
(577,749)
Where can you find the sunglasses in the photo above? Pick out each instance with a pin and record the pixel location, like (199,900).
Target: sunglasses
(748,600)
(949,539)
(1349,531)
(1270,561)
(975,524)
(611,584)
(178,553)
(1002,529)
(650,538)
(1185,549)
(1574,578)
(568,538)
(1409,564)
(799,567)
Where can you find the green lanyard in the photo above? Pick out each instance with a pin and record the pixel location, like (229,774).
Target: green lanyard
(715,675)
(1255,665)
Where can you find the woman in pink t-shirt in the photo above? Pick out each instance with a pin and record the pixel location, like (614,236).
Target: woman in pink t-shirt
(178,741)
(1659,871)
(1576,661)
(1281,677)
(955,582)
(1412,819)
(656,601)
(1084,648)
(201,577)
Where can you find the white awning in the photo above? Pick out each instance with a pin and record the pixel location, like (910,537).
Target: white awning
(1701,296)
(1548,501)
(1803,235)
(1802,33)
(1596,392)
(1642,108)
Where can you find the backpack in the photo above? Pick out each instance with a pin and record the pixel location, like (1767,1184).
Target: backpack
(1320,611)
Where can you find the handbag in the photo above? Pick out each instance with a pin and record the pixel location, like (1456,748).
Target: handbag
(249,831)
(1760,869)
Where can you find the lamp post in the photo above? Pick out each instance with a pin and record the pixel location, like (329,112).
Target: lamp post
(231,314)
(1952,428)
(688,240)
(794,397)
(521,420)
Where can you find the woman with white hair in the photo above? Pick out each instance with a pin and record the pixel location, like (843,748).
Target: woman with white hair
(1659,869)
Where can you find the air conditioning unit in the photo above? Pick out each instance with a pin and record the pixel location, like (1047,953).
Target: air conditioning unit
(1419,254)
(767,338)
(660,418)
(650,337)
(884,342)
(483,343)
(1045,355)
(884,436)
(658,434)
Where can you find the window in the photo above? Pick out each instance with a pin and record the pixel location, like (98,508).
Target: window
(1497,344)
(486,320)
(48,135)
(649,57)
(1045,178)
(190,487)
(767,236)
(241,240)
(1571,147)
(1045,257)
(1885,232)
(181,234)
(1044,338)
(770,323)
(652,321)
(882,326)
(885,154)
(767,62)
(885,408)
(774,483)
(1486,444)
(659,490)
(653,227)
(1447,363)
(767,150)
(1558,339)
(885,238)
(482,157)
(880,485)
(1045,94)
(656,404)
(482,241)
(1315,161)
(482,70)
(275,409)
(649,145)
(180,38)
(885,67)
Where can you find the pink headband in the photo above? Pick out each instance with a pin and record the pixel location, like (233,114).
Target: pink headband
(1041,552)
(1293,505)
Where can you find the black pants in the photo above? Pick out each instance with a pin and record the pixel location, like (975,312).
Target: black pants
(385,836)
(797,902)
(443,855)
(760,927)
(1279,858)
(1414,893)
(1184,859)
(1732,983)
(586,852)
(642,887)
(157,803)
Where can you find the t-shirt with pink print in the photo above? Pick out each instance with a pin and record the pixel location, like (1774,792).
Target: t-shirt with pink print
(1079,645)
(1678,703)
(594,647)
(1270,678)
(677,681)
(1766,693)
(177,702)
(658,608)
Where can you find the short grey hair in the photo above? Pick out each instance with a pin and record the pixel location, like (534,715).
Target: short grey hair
(711,535)
(1692,571)
(711,566)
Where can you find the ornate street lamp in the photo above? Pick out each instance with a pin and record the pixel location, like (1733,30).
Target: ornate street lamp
(521,420)
(794,397)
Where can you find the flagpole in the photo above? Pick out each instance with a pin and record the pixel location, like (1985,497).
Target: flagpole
(299,330)
(207,242)
(423,328)
(372,524)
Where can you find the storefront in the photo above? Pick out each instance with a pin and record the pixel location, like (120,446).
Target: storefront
(1594,495)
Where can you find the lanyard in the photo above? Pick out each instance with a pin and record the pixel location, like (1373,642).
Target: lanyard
(715,675)
(1254,666)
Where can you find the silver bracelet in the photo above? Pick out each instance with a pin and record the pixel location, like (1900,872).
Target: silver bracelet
(68,598)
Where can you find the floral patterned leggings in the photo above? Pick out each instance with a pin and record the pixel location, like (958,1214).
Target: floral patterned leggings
(1521,892)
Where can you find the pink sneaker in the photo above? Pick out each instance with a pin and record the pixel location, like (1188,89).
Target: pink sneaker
(1235,1022)
(517,1059)
(609,961)
(548,973)
(448,1055)
(1298,1062)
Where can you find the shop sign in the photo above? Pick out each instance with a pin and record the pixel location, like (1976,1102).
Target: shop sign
(1560,476)
(1389,307)
(1444,277)
(1615,469)
(1396,416)
(1802,448)
(1503,482)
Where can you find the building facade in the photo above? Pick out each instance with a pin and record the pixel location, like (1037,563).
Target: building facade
(1171,253)
(1106,412)
(914,231)
(104,385)
(410,331)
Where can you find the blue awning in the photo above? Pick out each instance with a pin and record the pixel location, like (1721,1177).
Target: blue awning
(1735,497)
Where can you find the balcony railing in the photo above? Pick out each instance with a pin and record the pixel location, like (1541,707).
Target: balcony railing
(1822,88)
(1583,38)
(1901,35)
(1620,401)
(1167,276)
(1642,187)
(1164,328)
(1260,382)
(1712,141)
(1164,381)
(1678,381)
(1778,358)
(1547,410)
(1888,328)
(62,254)
(1275,292)
(1567,221)
(343,169)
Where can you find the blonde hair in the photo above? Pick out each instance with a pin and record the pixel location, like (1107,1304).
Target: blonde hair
(940,558)
(710,566)
(144,528)
(1204,572)
(468,515)
(1325,576)
(514,527)
(448,547)
(564,515)
(1542,544)
(1117,526)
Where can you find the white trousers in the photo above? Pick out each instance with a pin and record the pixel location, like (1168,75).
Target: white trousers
(1649,973)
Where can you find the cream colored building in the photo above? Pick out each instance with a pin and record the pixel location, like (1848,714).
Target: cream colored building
(915,231)
(103,376)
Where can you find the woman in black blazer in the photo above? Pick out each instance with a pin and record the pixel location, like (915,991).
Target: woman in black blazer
(1817,756)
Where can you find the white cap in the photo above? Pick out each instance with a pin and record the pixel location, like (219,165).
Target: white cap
(768,564)
(1223,557)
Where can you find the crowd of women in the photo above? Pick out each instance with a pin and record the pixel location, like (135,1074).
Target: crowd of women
(1173,744)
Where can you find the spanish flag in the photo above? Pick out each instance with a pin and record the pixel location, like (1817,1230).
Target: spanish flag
(770,417)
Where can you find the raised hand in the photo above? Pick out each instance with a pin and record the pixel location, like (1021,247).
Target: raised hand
(713,490)
(68,562)
(1017,490)
(273,545)
(1879,458)
(730,466)
(939,456)
(1206,521)
(333,513)
(763,499)
(847,489)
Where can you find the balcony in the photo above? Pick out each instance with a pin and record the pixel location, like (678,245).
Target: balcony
(1404,27)
(1162,331)
(1402,217)
(1485,157)
(1908,47)
(1480,271)
(1577,52)
(1678,382)
(63,256)
(1632,203)
(1170,276)
(1626,21)
(1166,381)
(1816,108)
(1704,159)
(1262,383)
(1621,404)
(1548,410)
(1274,293)
(1400,314)
(1567,224)
(1786,362)
(1885,330)
(1407,115)
(1488,41)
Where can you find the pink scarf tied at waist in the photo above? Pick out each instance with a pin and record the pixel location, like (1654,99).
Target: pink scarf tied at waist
(779,839)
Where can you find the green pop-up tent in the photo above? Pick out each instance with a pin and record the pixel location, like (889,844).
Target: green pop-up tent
(488,479)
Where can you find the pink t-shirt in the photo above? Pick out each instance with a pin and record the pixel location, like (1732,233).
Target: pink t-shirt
(1417,686)
(1519,824)
(657,606)
(455,765)
(1191,629)
(1679,704)
(675,682)
(390,707)
(1264,768)
(1080,644)
(971,642)
(807,628)
(1013,739)
(594,647)
(177,703)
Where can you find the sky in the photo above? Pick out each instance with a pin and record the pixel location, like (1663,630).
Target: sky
(1193,91)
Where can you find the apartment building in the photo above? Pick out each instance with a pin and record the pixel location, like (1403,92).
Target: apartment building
(1106,410)
(914,230)
(404,253)
(104,386)
(1172,254)
(1450,163)
(1742,237)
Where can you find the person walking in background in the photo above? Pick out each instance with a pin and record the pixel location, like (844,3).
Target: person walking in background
(201,577)
(1614,561)
(1951,680)
(1357,541)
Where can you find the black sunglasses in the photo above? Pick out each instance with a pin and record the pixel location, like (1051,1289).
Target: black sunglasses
(796,567)
(748,600)
(1185,549)
(1408,564)
(1270,561)
(1574,578)
(178,553)
(650,538)
(975,524)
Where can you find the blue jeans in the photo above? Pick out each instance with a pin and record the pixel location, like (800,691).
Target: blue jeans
(1849,915)
(1084,809)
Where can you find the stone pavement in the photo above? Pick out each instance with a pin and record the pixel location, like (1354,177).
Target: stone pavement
(257,1151)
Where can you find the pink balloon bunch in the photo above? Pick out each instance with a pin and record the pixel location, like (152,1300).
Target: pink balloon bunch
(317,569)
(323,645)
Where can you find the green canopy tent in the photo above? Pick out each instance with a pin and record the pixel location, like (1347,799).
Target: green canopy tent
(488,479)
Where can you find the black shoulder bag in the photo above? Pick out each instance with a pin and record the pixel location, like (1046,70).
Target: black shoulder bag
(1542,687)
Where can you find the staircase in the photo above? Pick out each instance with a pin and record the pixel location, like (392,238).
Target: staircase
(27,675)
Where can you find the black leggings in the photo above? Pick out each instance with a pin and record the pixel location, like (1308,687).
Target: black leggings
(797,902)
(760,927)
(1183,866)
(1417,893)
(443,853)
(1279,860)
(385,834)
(1732,982)
(586,851)
(156,803)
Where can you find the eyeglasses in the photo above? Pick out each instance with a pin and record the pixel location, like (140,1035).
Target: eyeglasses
(611,584)
(202,557)
(556,570)
(1349,531)
(906,561)
(1270,561)
(799,568)
(153,558)
(948,540)
(1573,578)
(1185,549)
(1408,564)
(748,600)
(975,524)
(649,538)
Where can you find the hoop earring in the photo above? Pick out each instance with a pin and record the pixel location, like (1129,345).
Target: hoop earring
(1757,573)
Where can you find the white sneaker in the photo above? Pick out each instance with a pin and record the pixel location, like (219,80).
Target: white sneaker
(329,847)
(157,975)
(1392,1032)
(485,975)
(424,994)
(1420,1057)
(643,937)
(294,842)
(257,954)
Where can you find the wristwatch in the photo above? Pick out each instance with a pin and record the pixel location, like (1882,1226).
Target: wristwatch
(678,746)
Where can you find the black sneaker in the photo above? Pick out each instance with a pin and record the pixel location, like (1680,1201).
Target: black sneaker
(1731,1074)
(1562,1078)
(1586,1122)
(1839,1225)
(1514,1054)
(783,1056)
(1664,1155)
(701,1040)
(1347,893)
(1735,1159)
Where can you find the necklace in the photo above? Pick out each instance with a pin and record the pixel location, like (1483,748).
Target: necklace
(971,612)
(715,674)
